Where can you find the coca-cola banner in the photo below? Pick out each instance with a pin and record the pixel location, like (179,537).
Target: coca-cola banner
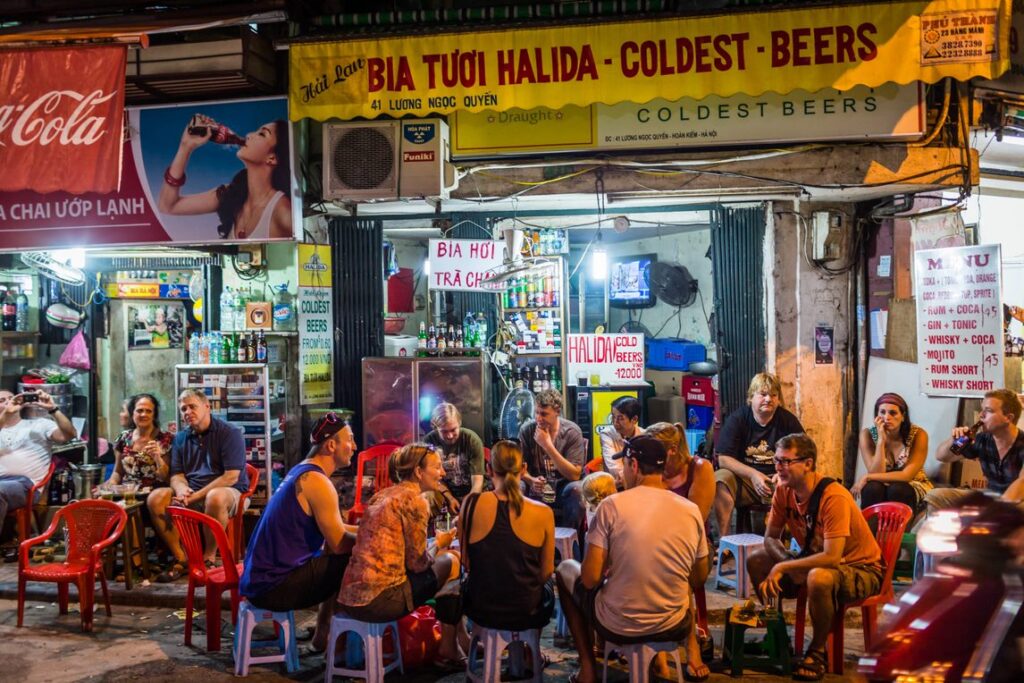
(188,178)
(61,117)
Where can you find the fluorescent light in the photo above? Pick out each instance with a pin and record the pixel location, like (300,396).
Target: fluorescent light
(73,257)
(426,267)
(598,262)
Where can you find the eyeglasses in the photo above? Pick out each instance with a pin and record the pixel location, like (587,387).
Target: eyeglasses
(322,431)
(786,462)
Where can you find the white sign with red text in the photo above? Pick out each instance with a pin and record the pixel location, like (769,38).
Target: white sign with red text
(613,358)
(959,320)
(461,265)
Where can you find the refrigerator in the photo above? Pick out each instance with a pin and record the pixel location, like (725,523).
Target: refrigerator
(399,395)
(592,409)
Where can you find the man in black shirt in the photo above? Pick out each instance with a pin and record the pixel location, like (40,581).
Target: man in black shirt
(998,448)
(462,455)
(746,445)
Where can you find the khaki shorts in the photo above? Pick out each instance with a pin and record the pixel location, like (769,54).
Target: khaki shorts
(235,494)
(851,582)
(743,494)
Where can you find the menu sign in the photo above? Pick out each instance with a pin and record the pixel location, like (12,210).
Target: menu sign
(959,320)
(316,329)
(603,359)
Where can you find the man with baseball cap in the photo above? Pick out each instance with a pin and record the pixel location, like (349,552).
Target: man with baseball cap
(626,599)
(300,549)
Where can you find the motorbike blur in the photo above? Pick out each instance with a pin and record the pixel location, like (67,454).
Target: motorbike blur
(964,621)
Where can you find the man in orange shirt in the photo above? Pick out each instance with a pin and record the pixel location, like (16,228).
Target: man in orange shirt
(840,563)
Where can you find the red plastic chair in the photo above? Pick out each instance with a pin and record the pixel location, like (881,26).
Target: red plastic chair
(892,521)
(488,472)
(23,515)
(236,537)
(190,525)
(92,526)
(379,455)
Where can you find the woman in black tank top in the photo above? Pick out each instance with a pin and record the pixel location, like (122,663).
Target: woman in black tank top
(509,583)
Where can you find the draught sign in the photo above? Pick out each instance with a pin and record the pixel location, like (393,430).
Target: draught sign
(959,320)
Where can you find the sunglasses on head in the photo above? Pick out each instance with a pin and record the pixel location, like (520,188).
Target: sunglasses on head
(327,428)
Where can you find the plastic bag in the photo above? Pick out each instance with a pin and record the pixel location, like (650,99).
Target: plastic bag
(76,355)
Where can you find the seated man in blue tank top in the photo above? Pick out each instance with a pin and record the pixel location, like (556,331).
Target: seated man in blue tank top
(299,551)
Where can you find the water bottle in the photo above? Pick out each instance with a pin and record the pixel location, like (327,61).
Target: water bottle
(284,309)
(21,314)
(481,330)
(193,349)
(227,310)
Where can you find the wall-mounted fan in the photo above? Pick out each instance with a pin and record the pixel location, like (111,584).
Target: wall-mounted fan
(45,264)
(673,284)
(516,409)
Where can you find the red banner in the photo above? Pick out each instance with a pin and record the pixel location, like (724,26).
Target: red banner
(61,114)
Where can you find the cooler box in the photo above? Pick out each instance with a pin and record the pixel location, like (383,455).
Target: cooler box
(701,403)
(674,354)
(400,345)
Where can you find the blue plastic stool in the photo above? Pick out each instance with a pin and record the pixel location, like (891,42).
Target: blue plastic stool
(284,622)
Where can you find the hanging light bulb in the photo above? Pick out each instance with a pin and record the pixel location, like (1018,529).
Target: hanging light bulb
(426,267)
(598,260)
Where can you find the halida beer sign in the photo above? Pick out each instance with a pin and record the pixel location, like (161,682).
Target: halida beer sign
(61,117)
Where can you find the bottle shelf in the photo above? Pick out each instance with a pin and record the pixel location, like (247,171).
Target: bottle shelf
(533,308)
(537,354)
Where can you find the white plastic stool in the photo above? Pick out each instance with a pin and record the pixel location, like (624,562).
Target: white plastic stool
(924,563)
(565,542)
(639,656)
(495,643)
(740,545)
(373,639)
(250,615)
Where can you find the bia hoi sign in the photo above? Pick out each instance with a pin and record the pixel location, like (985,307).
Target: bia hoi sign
(959,320)
(461,265)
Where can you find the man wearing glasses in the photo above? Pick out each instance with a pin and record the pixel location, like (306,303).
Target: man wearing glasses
(839,564)
(300,549)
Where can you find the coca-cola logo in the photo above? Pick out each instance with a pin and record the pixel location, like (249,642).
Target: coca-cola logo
(41,122)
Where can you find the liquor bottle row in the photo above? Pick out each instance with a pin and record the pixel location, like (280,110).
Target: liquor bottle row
(538,331)
(534,291)
(536,378)
(215,348)
(544,243)
(466,340)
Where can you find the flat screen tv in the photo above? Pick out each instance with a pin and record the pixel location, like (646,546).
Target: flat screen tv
(629,281)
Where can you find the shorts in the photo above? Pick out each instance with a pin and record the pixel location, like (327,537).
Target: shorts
(585,598)
(235,494)
(852,582)
(743,494)
(395,602)
(305,586)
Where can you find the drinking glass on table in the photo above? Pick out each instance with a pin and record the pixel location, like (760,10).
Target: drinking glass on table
(129,493)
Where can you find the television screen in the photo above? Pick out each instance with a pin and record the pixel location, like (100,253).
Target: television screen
(629,284)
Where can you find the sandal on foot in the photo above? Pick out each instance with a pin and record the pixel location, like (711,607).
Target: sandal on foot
(812,667)
(694,677)
(172,573)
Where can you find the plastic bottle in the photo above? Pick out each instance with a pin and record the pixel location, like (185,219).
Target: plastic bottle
(227,309)
(21,314)
(284,309)
(962,442)
(556,382)
(10,312)
(193,349)
(421,340)
(481,330)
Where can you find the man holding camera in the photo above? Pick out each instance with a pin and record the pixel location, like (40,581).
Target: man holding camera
(26,445)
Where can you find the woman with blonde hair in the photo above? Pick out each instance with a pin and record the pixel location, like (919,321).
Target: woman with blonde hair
(392,570)
(691,477)
(509,550)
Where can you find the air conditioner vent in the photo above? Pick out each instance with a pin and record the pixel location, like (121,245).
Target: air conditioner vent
(364,158)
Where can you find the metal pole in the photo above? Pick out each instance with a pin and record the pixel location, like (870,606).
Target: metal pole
(93,423)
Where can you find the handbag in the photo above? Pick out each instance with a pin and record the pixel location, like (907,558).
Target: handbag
(76,355)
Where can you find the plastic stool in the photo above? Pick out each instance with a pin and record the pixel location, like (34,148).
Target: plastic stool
(566,542)
(495,642)
(924,563)
(639,656)
(284,622)
(904,571)
(373,637)
(740,546)
(772,651)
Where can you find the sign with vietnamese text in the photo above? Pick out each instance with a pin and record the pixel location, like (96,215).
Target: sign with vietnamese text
(316,325)
(609,358)
(461,265)
(809,48)
(61,117)
(959,320)
(886,112)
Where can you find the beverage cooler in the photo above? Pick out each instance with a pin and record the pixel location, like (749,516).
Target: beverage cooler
(592,409)
(400,393)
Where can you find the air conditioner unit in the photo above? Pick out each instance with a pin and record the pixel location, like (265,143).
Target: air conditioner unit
(384,160)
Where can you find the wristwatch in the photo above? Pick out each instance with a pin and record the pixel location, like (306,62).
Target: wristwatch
(54,410)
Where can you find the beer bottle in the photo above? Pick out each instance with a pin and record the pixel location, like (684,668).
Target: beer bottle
(536,380)
(250,351)
(962,442)
(421,340)
(442,343)
(240,354)
(261,348)
(432,341)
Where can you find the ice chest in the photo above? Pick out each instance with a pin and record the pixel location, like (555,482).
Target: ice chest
(701,403)
(674,354)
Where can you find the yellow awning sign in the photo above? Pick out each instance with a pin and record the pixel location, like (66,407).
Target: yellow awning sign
(807,49)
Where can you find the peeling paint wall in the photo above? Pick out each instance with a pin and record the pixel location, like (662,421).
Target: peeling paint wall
(804,297)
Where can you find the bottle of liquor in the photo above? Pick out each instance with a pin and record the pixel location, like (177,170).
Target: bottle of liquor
(556,381)
(460,340)
(442,342)
(962,442)
(21,314)
(240,352)
(519,382)
(227,350)
(218,132)
(10,311)
(421,340)
(545,383)
(250,351)
(261,348)
(431,341)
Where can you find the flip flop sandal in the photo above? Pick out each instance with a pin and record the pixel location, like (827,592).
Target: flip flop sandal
(815,662)
(171,574)
(693,678)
